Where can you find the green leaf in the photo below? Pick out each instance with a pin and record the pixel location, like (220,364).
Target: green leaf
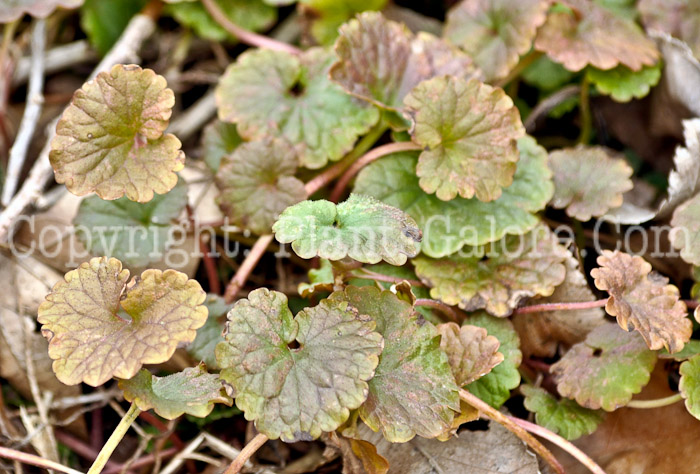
(643,300)
(257,183)
(326,16)
(622,83)
(320,279)
(98,326)
(218,140)
(494,388)
(209,335)
(472,353)
(296,394)
(689,385)
(135,233)
(591,34)
(564,417)
(252,15)
(110,138)
(381,61)
(104,20)
(192,391)
(12,10)
(470,131)
(274,93)
(690,349)
(588,181)
(546,75)
(413,390)
(361,228)
(496,277)
(495,32)
(606,369)
(449,225)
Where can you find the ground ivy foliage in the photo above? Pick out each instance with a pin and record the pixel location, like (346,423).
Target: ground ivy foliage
(361,228)
(413,391)
(272,93)
(297,393)
(449,225)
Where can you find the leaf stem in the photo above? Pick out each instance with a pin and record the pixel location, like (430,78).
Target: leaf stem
(370,275)
(337,169)
(657,403)
(366,159)
(245,36)
(254,255)
(33,460)
(525,61)
(513,427)
(245,454)
(114,439)
(440,306)
(537,308)
(554,438)
(585,109)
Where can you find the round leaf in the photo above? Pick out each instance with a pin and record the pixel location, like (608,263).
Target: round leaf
(449,225)
(361,228)
(495,32)
(564,417)
(680,18)
(257,183)
(498,276)
(689,385)
(192,391)
(472,353)
(99,327)
(135,233)
(644,300)
(110,139)
(381,61)
(623,84)
(208,336)
(218,140)
(469,130)
(413,391)
(606,369)
(295,394)
(587,181)
(494,388)
(591,34)
(269,92)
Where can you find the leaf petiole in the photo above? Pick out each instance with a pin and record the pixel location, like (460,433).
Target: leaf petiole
(114,440)
(656,403)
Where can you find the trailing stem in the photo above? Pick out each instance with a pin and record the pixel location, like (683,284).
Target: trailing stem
(114,439)
(245,454)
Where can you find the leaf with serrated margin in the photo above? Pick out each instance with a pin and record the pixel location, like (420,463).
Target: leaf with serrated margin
(494,388)
(110,138)
(218,140)
(100,327)
(495,32)
(380,60)
(133,232)
(591,34)
(680,18)
(449,225)
(12,10)
(274,93)
(320,279)
(208,336)
(643,300)
(326,16)
(689,385)
(606,369)
(564,417)
(469,131)
(496,277)
(256,183)
(588,181)
(413,391)
(472,353)
(192,391)
(624,84)
(295,394)
(361,228)
(541,333)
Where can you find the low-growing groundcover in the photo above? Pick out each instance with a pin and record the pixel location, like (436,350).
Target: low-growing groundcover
(357,237)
